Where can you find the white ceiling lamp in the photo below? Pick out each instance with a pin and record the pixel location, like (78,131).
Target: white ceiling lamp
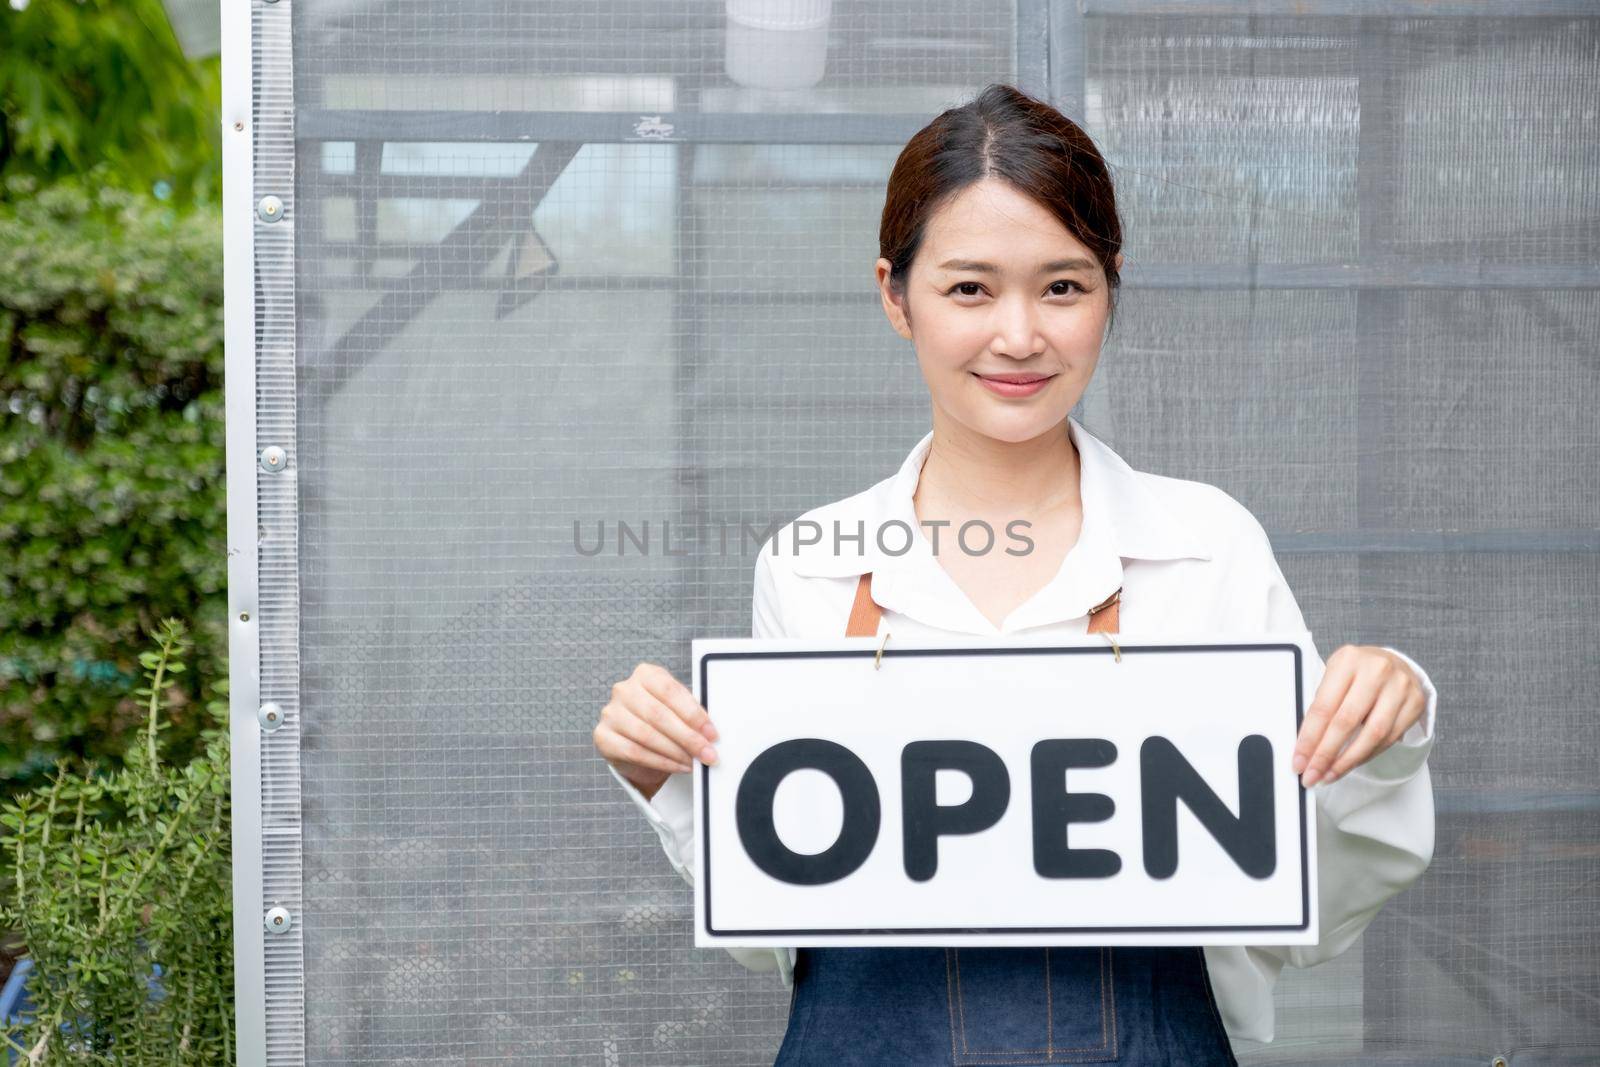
(777,44)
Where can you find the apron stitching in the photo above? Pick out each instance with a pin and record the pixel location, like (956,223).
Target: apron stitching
(1051,1051)
(1104,952)
(1049,1021)
(1111,970)
(950,1001)
(1031,1057)
(961,1003)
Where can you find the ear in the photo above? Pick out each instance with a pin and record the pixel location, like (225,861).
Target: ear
(893,304)
(1117,260)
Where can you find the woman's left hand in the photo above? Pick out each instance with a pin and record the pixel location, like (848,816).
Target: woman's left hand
(1364,688)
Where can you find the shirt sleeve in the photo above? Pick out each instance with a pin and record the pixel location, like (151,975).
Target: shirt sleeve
(670,811)
(1375,825)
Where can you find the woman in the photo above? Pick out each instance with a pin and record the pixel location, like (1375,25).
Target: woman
(1000,258)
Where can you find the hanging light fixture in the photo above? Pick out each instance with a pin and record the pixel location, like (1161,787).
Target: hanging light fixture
(777,44)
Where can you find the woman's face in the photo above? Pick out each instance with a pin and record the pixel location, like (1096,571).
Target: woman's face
(1000,288)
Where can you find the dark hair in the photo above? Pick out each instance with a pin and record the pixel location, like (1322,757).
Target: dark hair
(1002,133)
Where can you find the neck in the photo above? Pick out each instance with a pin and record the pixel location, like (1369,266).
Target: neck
(969,473)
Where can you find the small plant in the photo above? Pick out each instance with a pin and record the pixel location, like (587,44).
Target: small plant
(121,894)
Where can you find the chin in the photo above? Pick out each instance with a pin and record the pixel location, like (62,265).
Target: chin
(1015,426)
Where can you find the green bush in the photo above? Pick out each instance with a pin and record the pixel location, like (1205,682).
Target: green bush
(115,873)
(104,81)
(111,465)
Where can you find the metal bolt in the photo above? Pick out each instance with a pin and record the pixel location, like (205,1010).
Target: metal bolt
(270,716)
(238,125)
(278,920)
(274,458)
(244,616)
(270,208)
(1499,1061)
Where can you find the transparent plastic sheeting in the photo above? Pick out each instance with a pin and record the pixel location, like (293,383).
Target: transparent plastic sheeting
(553,265)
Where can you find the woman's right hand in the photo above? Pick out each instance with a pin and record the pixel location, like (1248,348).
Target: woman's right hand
(652,727)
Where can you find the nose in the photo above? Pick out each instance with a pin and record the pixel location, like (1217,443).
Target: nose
(1016,327)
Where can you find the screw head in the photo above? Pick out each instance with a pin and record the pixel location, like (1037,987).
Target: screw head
(270,208)
(270,716)
(277,920)
(274,458)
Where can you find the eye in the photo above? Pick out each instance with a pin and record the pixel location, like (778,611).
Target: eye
(1066,281)
(963,287)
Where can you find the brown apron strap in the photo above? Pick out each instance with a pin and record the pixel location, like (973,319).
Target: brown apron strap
(1103,616)
(865,612)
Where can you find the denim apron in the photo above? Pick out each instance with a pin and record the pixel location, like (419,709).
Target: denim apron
(970,1006)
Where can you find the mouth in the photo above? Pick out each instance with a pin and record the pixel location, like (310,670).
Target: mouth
(1015,379)
(1014,385)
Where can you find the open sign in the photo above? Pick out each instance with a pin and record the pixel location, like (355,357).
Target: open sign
(983,793)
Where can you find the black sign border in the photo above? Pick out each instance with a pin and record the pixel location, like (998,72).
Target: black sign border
(1028,650)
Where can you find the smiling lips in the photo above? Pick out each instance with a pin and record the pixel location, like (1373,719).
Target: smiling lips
(1014,384)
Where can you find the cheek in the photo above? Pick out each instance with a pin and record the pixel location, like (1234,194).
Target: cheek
(1080,332)
(948,341)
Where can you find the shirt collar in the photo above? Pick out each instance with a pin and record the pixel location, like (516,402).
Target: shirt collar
(1123,518)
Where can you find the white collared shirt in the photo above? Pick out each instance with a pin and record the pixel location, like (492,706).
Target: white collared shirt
(1187,556)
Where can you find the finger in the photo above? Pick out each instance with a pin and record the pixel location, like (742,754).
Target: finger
(1410,714)
(670,722)
(628,725)
(1353,710)
(1330,693)
(673,693)
(1373,737)
(630,751)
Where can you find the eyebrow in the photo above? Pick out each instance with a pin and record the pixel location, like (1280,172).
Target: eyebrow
(990,268)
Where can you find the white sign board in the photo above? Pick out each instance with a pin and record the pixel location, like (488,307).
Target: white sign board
(974,791)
